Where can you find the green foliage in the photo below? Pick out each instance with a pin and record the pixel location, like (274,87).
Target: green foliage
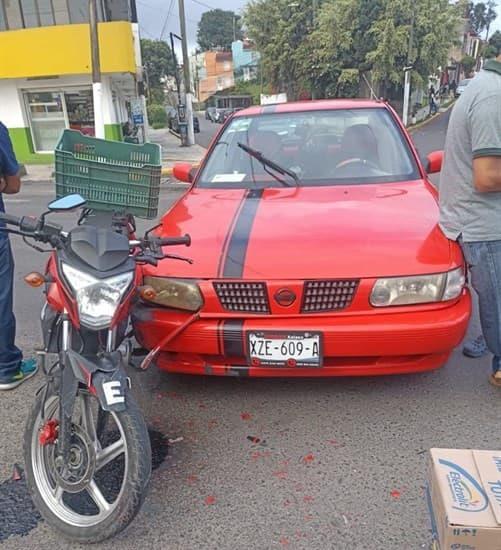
(281,30)
(218,29)
(324,53)
(468,64)
(494,47)
(348,83)
(157,116)
(157,59)
(481,15)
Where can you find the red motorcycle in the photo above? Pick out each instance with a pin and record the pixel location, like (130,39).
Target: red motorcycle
(86,446)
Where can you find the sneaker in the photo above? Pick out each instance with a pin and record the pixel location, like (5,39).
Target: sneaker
(28,368)
(495,379)
(476,348)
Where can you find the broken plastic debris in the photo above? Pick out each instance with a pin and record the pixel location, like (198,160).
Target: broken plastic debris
(245,416)
(309,458)
(16,473)
(210,500)
(395,494)
(177,440)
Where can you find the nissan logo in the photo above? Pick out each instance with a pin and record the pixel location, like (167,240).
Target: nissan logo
(285,297)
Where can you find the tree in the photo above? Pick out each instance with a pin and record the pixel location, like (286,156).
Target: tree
(468,63)
(482,15)
(158,62)
(281,31)
(218,29)
(493,48)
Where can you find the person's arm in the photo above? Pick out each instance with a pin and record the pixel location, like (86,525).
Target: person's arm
(10,182)
(486,144)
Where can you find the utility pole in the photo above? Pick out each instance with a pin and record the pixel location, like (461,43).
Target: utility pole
(186,69)
(408,71)
(97,89)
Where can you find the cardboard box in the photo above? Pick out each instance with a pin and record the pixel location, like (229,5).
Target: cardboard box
(464,497)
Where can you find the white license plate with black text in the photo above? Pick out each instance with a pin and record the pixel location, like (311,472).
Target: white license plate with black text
(284,349)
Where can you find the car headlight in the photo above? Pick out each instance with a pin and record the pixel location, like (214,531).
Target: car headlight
(419,289)
(175,293)
(97,299)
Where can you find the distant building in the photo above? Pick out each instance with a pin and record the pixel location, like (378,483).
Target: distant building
(45,70)
(245,60)
(212,72)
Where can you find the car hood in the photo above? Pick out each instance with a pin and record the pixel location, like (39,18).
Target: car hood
(361,231)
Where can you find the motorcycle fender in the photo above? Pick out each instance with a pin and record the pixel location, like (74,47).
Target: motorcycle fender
(111,389)
(105,377)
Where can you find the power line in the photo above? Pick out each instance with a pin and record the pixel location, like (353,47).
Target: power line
(203,4)
(164,28)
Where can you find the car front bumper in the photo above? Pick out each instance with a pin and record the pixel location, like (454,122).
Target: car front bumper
(374,343)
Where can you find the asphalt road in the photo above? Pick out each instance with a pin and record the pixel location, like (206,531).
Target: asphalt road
(207,130)
(340,463)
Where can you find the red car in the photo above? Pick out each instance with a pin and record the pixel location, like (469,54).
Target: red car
(316,252)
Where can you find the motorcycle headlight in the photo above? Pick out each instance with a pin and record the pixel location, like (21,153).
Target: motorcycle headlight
(175,293)
(419,289)
(97,299)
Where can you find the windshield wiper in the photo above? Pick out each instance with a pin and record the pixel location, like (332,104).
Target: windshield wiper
(267,163)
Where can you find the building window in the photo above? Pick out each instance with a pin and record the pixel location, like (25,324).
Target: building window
(79,11)
(46,13)
(3,19)
(30,13)
(13,14)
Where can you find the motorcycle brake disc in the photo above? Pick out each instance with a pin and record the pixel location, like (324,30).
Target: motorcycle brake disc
(75,475)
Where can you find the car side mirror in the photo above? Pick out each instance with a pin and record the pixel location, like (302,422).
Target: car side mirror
(434,162)
(184,171)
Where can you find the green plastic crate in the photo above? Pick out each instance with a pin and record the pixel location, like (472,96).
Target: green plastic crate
(110,175)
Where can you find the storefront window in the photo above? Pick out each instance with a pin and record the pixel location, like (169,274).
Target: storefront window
(48,118)
(80,109)
(51,112)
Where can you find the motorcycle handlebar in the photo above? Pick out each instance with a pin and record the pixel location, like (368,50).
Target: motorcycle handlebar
(11,220)
(174,241)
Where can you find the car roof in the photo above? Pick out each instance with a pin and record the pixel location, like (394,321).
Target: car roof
(305,106)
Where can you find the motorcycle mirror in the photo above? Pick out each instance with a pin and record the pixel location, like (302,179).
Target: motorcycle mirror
(70,202)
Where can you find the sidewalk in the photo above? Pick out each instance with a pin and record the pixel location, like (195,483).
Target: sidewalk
(172,151)
(38,173)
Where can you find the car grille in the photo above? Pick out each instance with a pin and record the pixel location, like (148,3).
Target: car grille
(243,297)
(322,296)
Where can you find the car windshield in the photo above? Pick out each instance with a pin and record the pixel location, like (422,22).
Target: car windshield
(333,147)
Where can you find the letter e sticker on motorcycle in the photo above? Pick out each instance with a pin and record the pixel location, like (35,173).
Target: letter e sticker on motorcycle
(113,392)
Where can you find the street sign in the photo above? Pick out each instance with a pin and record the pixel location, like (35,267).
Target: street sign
(138,119)
(136,107)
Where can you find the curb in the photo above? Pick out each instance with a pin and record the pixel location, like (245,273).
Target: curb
(427,121)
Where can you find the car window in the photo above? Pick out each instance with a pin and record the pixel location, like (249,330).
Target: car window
(344,146)
(464,82)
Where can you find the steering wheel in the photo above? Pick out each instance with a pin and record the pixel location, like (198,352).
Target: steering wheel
(349,163)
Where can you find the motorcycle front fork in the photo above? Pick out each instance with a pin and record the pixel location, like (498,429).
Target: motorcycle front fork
(69,386)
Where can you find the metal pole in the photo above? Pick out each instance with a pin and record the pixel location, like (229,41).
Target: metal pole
(186,68)
(176,72)
(97,90)
(407,85)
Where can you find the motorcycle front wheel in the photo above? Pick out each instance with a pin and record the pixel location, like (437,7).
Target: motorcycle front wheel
(97,494)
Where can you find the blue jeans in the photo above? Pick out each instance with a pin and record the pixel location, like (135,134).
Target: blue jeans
(484,260)
(10,355)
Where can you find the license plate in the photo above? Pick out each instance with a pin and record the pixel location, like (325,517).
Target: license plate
(284,349)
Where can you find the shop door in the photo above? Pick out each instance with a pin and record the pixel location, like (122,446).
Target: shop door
(48,119)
